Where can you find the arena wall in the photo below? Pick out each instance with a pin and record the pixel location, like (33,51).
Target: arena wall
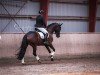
(69,44)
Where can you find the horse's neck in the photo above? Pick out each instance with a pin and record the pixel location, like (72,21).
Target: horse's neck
(50,30)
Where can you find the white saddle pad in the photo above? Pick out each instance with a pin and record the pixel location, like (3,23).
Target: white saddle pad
(41,35)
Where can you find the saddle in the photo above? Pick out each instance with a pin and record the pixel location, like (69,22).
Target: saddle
(42,35)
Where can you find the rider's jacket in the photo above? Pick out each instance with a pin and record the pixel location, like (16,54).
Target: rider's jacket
(40,22)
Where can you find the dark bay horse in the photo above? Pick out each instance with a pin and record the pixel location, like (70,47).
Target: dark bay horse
(33,39)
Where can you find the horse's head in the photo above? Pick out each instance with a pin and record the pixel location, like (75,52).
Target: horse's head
(57,29)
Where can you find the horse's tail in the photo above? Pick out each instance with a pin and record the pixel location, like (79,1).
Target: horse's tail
(22,49)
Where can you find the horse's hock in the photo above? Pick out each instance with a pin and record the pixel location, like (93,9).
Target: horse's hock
(68,45)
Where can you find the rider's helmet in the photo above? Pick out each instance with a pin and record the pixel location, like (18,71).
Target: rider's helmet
(41,12)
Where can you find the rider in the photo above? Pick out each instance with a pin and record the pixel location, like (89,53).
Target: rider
(41,25)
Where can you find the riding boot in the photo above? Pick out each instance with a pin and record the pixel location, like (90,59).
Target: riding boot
(46,39)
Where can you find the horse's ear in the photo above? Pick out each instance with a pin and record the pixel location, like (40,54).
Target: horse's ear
(61,24)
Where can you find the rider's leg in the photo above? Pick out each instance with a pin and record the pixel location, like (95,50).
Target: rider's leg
(43,30)
(46,38)
(45,34)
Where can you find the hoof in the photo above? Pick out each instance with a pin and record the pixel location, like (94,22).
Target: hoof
(52,59)
(39,61)
(23,63)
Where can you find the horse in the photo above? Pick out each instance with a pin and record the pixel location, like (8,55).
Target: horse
(33,39)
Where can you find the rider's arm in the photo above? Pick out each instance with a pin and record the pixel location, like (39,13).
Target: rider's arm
(44,23)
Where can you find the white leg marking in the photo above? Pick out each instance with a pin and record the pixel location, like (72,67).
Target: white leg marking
(52,53)
(37,57)
(23,61)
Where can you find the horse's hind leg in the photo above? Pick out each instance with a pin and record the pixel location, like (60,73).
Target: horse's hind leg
(34,53)
(22,53)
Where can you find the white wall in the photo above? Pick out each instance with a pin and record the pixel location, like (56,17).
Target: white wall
(30,8)
(98,11)
(62,9)
(80,1)
(65,9)
(73,26)
(55,9)
(66,45)
(97,29)
(25,24)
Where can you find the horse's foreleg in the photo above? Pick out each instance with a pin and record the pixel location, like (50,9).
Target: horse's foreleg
(48,48)
(51,46)
(51,54)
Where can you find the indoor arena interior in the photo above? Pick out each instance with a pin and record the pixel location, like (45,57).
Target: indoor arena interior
(71,45)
